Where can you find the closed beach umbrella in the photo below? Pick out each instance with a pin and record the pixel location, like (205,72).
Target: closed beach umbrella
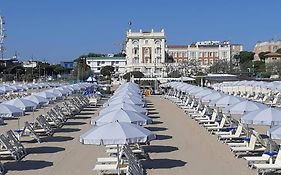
(22,103)
(122,115)
(7,111)
(125,106)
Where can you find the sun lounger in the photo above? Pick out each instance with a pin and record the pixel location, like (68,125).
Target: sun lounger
(265,168)
(7,149)
(111,168)
(14,141)
(257,159)
(32,132)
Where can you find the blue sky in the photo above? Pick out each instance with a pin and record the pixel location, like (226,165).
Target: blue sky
(59,30)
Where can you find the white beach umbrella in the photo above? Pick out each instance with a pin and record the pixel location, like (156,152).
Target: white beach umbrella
(203,93)
(6,88)
(47,95)
(211,97)
(129,101)
(275,132)
(56,92)
(241,108)
(269,116)
(225,101)
(37,99)
(22,103)
(7,111)
(121,115)
(117,133)
(125,106)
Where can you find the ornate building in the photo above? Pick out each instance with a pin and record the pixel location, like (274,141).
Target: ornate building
(145,52)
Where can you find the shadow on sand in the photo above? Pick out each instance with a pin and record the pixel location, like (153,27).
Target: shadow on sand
(152,128)
(77,117)
(153,117)
(162,163)
(159,149)
(27,165)
(44,150)
(68,130)
(153,113)
(156,122)
(75,123)
(163,137)
(57,139)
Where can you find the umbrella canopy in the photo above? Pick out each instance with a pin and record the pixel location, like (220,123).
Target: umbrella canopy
(47,95)
(7,110)
(6,88)
(203,93)
(269,116)
(125,106)
(225,101)
(37,99)
(22,103)
(241,108)
(211,97)
(129,101)
(117,133)
(91,79)
(275,132)
(122,115)
(56,92)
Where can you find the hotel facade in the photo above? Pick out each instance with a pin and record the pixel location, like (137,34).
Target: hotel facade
(145,52)
(205,52)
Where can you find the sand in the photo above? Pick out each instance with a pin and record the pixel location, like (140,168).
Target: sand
(184,147)
(60,154)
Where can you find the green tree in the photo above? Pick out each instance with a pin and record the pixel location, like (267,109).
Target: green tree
(220,66)
(136,74)
(81,70)
(262,55)
(278,51)
(246,56)
(174,74)
(107,70)
(259,66)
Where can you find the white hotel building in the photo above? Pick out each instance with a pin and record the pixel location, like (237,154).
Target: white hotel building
(145,52)
(96,63)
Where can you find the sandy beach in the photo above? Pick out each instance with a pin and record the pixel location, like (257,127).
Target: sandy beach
(182,147)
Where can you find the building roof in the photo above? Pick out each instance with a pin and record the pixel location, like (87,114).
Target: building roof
(273,54)
(177,46)
(106,58)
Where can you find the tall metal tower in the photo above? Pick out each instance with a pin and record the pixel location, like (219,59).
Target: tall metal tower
(2,36)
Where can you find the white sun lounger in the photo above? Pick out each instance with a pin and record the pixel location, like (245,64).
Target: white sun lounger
(264,168)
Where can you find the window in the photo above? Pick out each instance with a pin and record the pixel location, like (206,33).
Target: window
(98,68)
(98,63)
(158,60)
(136,60)
(205,61)
(116,62)
(205,54)
(89,62)
(147,60)
(102,62)
(158,50)
(211,61)
(135,51)
(112,63)
(116,69)
(146,51)
(200,54)
(146,41)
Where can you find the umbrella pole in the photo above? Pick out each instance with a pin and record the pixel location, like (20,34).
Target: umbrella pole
(118,169)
